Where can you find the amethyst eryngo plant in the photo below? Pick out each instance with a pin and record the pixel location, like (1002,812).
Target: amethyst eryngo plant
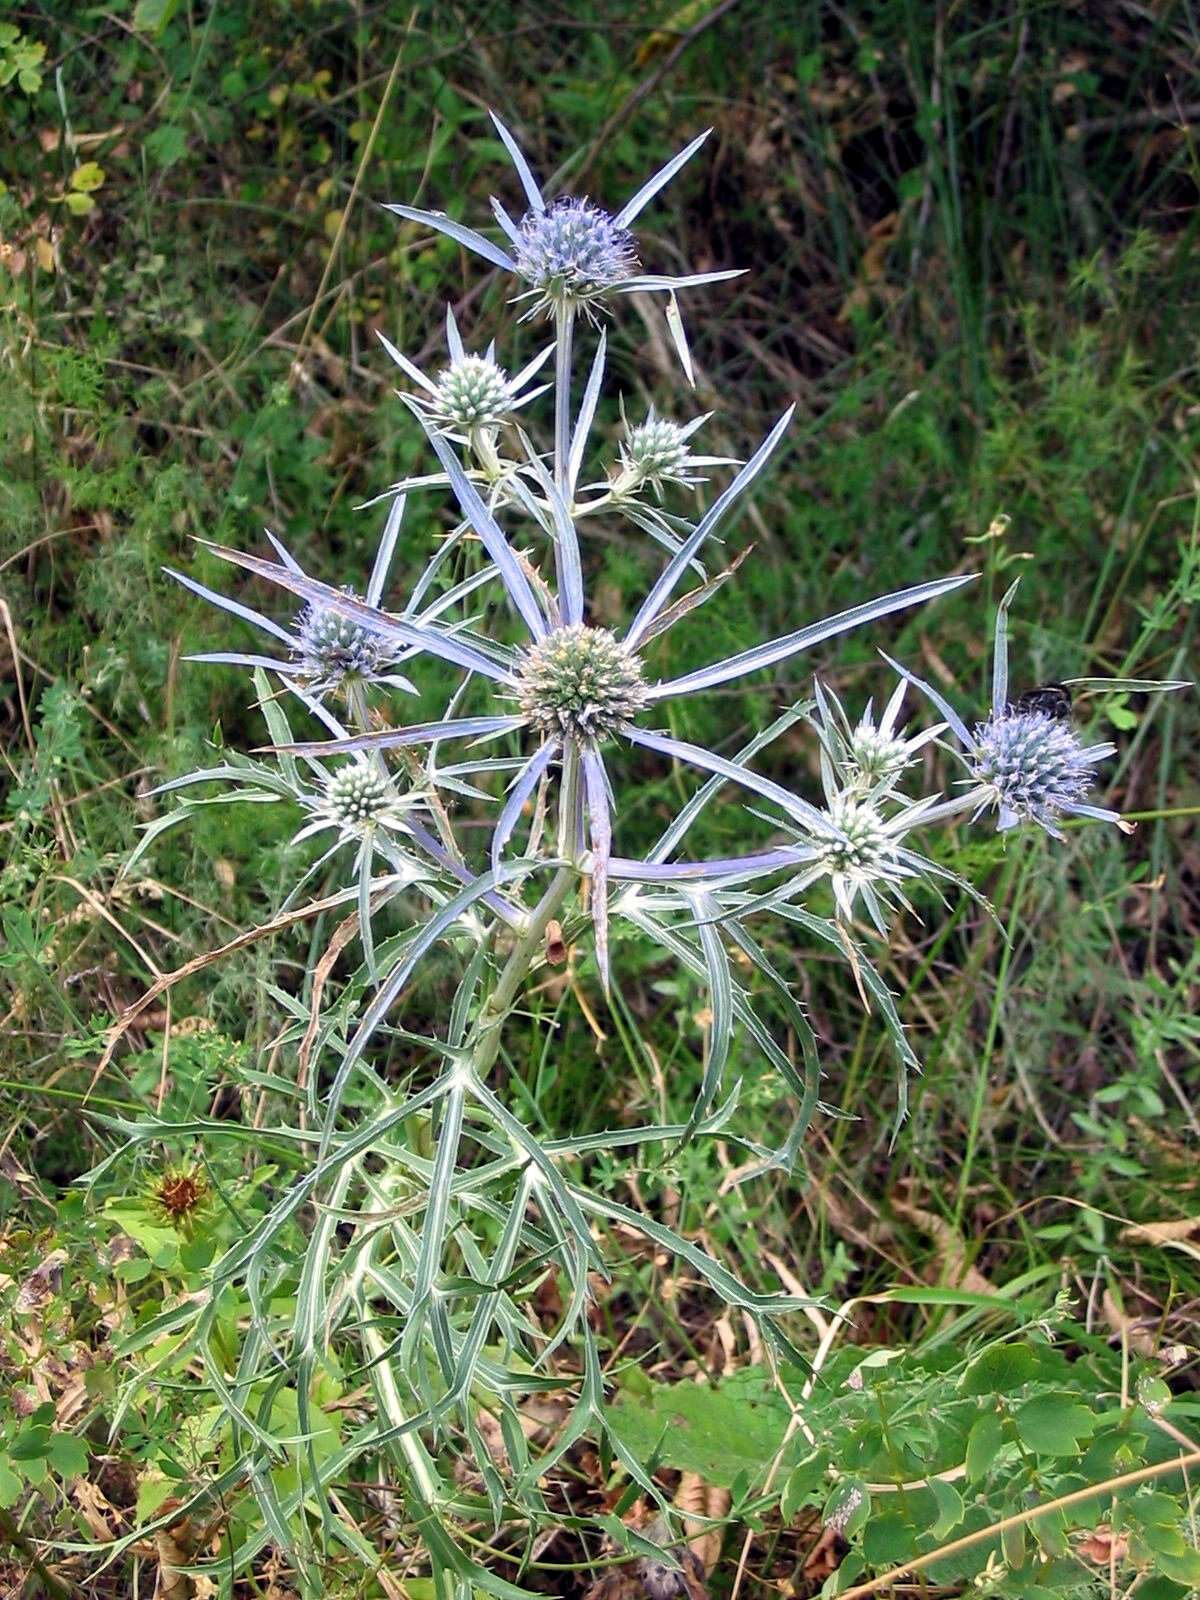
(371,1317)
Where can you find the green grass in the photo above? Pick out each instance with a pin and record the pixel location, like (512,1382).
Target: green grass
(972,241)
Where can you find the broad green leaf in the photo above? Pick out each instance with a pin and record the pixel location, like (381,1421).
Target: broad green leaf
(715,1430)
(10,1487)
(68,1455)
(1003,1369)
(166,145)
(983,1441)
(887,1537)
(152,16)
(31,1444)
(949,1508)
(1054,1425)
(87,177)
(804,1482)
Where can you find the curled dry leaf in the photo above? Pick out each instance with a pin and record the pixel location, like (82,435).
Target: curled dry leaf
(556,950)
(174,1546)
(42,1284)
(1103,1546)
(955,1269)
(702,1504)
(1177,1231)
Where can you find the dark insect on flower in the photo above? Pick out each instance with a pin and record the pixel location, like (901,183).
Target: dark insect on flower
(1051,699)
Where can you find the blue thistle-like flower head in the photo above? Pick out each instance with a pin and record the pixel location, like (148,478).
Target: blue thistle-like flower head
(1034,767)
(332,650)
(572,252)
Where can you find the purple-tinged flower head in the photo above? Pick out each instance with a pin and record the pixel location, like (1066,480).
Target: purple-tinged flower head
(1027,764)
(472,392)
(581,683)
(571,252)
(332,651)
(1034,767)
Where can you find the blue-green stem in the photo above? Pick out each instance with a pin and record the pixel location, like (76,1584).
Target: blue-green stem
(564,327)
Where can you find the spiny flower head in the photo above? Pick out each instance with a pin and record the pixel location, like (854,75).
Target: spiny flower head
(581,682)
(656,452)
(473,392)
(177,1194)
(869,756)
(571,252)
(357,794)
(1033,766)
(333,650)
(878,753)
(865,844)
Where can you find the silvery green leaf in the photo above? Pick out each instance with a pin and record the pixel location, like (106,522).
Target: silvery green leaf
(1128,685)
(957,726)
(234,607)
(449,916)
(717,1276)
(679,338)
(713,517)
(635,206)
(662,529)
(1000,653)
(381,622)
(568,562)
(799,1023)
(409,368)
(551,1180)
(234,658)
(528,182)
(595,785)
(720,991)
(790,644)
(397,738)
(456,231)
(679,825)
(495,542)
(708,761)
(587,413)
(506,222)
(523,787)
(690,280)
(277,723)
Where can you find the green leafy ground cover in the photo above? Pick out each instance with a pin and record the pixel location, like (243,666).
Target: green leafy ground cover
(971,235)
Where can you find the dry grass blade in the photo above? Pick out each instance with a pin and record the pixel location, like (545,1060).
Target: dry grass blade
(263,930)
